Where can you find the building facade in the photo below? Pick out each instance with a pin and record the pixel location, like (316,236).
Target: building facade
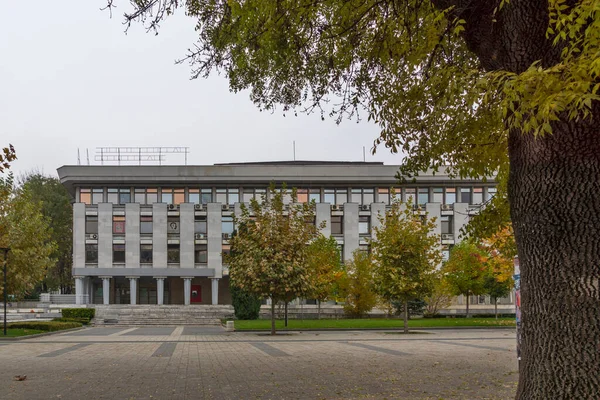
(157,234)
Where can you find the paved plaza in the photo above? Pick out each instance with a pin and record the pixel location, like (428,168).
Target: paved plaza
(208,363)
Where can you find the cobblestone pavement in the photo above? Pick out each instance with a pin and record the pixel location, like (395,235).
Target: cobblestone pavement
(208,363)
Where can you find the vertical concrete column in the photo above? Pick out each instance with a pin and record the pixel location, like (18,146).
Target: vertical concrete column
(78,290)
(187,290)
(132,235)
(159,235)
(78,235)
(186,235)
(434,210)
(215,291)
(351,237)
(461,217)
(133,289)
(106,290)
(105,211)
(214,241)
(160,290)
(377,211)
(323,214)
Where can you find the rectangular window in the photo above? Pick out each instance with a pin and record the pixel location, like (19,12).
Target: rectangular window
(341,251)
(383,195)
(113,195)
(491,192)
(91,224)
(222,196)
(145,253)
(409,195)
(178,196)
(233,196)
(446,224)
(200,224)
(151,195)
(314,194)
(450,195)
(423,196)
(206,196)
(118,224)
(118,253)
(85,196)
(146,224)
(477,195)
(248,195)
(97,196)
(337,225)
(166,196)
(341,196)
(364,225)
(91,253)
(227,225)
(173,253)
(329,196)
(302,195)
(368,196)
(194,196)
(465,195)
(124,196)
(139,195)
(173,224)
(200,254)
(438,195)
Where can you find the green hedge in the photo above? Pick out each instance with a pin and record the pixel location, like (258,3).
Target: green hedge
(48,326)
(87,313)
(83,321)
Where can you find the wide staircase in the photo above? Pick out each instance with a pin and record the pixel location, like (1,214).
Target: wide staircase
(136,315)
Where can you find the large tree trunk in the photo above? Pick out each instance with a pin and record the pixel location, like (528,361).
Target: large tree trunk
(554,190)
(285,315)
(554,194)
(467,316)
(318,309)
(496,307)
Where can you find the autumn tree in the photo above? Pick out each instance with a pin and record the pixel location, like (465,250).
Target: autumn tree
(55,204)
(269,251)
(465,270)
(485,87)
(440,296)
(405,255)
(500,264)
(325,269)
(27,233)
(357,285)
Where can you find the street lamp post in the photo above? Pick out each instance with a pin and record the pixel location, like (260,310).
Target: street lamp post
(6,250)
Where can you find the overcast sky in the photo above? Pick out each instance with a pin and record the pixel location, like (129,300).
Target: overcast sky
(70,78)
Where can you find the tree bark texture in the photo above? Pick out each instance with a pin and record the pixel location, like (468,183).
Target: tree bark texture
(318,309)
(554,193)
(467,296)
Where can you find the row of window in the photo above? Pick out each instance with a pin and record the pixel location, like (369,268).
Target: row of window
(227,225)
(422,195)
(118,253)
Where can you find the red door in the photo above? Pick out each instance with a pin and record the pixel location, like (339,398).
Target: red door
(196,296)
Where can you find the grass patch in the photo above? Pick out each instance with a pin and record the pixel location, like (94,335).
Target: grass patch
(382,323)
(19,332)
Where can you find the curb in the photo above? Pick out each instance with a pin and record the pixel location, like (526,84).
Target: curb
(375,329)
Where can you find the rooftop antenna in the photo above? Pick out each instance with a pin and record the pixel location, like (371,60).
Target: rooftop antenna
(294,150)
(78,159)
(364,156)
(87,151)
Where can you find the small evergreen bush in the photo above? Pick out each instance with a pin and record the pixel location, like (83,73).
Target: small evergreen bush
(245,305)
(87,313)
(48,326)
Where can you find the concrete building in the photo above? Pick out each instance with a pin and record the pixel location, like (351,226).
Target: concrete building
(156,234)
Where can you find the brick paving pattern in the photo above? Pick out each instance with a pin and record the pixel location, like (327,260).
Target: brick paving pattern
(208,363)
